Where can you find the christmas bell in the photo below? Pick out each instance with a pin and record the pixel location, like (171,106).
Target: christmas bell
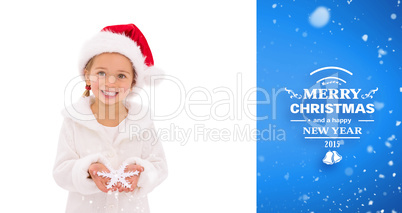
(332,157)
(328,158)
(337,157)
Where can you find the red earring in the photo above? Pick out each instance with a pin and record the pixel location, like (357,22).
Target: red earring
(86,93)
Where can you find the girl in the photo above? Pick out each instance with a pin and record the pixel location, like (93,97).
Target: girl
(107,158)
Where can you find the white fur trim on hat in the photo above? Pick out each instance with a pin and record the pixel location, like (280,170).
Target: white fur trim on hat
(109,42)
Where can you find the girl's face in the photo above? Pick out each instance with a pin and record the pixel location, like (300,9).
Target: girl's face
(110,76)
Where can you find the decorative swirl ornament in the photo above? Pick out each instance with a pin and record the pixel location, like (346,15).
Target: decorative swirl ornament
(370,94)
(293,95)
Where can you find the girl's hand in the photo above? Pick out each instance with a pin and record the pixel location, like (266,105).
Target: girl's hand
(100,182)
(131,180)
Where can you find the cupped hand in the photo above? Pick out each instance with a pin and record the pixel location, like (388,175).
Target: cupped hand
(133,180)
(101,182)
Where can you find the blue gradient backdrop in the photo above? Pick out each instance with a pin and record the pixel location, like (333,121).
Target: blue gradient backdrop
(290,174)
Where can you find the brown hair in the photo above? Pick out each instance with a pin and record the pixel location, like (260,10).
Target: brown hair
(89,64)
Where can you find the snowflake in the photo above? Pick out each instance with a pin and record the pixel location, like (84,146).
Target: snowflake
(118,176)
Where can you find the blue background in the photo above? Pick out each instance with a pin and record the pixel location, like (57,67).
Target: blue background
(290,174)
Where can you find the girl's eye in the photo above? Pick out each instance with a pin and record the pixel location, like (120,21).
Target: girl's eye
(101,73)
(121,76)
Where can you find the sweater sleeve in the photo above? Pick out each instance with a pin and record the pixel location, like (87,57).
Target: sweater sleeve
(70,171)
(154,162)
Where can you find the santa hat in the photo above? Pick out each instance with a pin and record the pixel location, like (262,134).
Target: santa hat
(126,40)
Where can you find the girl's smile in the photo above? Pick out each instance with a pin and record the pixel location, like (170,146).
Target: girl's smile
(109,94)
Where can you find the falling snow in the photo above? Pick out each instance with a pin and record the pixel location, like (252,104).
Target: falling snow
(349,171)
(391,138)
(304,197)
(320,17)
(378,105)
(365,37)
(370,149)
(388,144)
(381,53)
(286,176)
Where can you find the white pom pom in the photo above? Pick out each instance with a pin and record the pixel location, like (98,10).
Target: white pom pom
(153,76)
(150,76)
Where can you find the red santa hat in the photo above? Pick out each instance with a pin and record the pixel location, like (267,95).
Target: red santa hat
(127,40)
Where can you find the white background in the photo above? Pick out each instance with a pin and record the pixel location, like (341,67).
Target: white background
(200,43)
